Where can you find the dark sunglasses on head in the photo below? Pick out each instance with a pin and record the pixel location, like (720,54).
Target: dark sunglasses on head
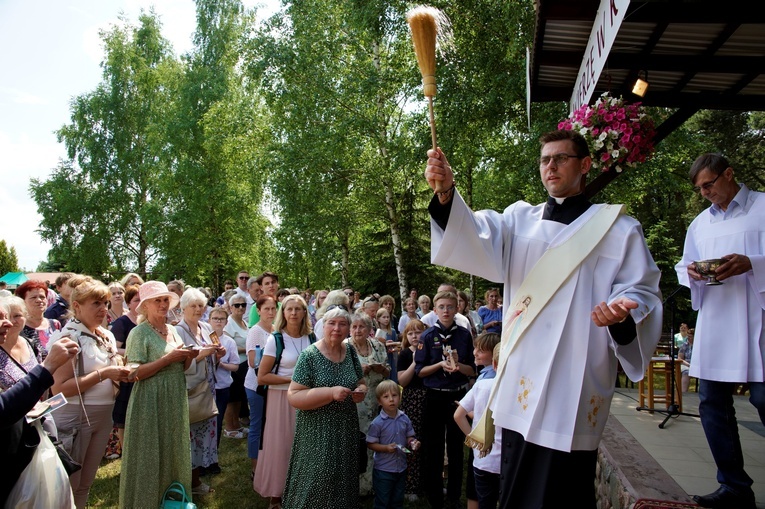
(240,305)
(334,306)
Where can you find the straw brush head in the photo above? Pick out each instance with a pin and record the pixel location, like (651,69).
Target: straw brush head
(425,23)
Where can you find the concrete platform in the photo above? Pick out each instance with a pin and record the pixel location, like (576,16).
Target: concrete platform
(680,448)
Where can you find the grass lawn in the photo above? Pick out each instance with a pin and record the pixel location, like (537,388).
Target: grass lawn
(233,488)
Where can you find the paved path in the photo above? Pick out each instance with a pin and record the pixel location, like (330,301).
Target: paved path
(681,447)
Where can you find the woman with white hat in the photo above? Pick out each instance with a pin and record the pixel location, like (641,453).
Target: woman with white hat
(156,450)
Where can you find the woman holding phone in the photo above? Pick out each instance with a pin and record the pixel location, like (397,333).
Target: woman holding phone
(326,386)
(89,383)
(156,451)
(196,334)
(375,368)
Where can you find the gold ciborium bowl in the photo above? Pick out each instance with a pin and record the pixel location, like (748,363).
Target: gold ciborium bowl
(706,268)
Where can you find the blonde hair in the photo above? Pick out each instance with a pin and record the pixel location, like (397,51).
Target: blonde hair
(179,283)
(218,311)
(87,289)
(385,387)
(381,312)
(76,280)
(115,284)
(280,322)
(447,295)
(333,298)
(130,275)
(486,341)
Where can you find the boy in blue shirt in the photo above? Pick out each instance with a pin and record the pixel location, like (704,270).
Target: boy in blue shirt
(391,437)
(444,360)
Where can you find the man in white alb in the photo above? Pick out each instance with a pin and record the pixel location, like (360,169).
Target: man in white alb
(553,398)
(729,344)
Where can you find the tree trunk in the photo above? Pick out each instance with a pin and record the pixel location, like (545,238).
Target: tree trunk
(390,203)
(345,259)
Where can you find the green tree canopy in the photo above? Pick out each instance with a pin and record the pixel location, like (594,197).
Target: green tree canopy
(9,262)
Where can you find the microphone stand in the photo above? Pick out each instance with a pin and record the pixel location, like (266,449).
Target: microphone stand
(673,410)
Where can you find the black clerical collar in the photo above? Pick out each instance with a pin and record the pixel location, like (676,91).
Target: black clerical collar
(565,212)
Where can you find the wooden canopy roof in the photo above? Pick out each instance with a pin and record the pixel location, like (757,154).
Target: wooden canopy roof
(695,54)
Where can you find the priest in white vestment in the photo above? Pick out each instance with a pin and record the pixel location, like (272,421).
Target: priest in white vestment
(554,396)
(729,343)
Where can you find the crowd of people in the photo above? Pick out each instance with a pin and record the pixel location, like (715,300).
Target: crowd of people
(340,398)
(155,359)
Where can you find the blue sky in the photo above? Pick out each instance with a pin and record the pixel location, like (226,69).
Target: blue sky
(51,53)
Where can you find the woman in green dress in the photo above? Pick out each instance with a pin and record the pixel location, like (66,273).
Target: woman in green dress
(326,386)
(156,450)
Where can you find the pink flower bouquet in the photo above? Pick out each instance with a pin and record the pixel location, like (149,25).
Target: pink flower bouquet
(619,134)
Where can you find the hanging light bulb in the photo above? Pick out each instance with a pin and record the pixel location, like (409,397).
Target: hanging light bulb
(641,84)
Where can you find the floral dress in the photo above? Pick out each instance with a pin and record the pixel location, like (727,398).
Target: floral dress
(39,338)
(204,434)
(369,409)
(10,371)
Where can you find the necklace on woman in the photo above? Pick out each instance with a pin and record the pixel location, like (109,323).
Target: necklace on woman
(162,334)
(358,347)
(295,346)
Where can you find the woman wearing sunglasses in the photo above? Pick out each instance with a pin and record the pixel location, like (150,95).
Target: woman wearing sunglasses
(237,330)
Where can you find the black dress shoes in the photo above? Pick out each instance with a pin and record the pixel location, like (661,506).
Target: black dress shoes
(725,499)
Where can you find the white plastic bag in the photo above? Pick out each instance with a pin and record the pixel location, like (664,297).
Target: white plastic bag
(43,483)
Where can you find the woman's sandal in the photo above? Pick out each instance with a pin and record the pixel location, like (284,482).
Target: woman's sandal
(202,489)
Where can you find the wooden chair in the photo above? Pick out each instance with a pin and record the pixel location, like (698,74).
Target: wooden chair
(648,398)
(659,364)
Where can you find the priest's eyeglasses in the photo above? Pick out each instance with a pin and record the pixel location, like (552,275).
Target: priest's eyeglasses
(558,159)
(707,185)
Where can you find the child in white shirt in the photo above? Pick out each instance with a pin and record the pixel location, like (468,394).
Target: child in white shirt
(486,469)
